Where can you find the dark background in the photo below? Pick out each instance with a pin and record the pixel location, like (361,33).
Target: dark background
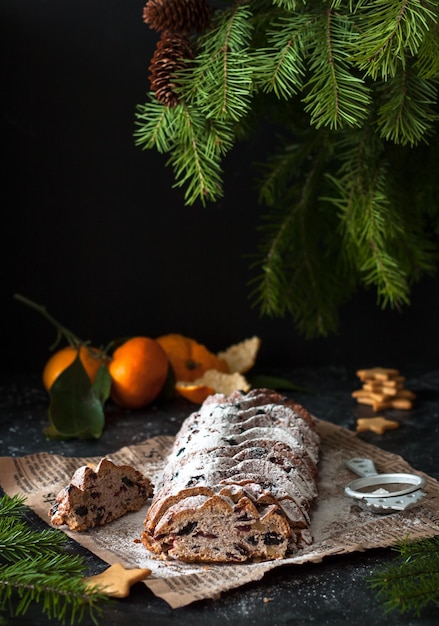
(93,229)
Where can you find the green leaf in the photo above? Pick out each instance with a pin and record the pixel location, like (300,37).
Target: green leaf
(75,409)
(274,382)
(102,384)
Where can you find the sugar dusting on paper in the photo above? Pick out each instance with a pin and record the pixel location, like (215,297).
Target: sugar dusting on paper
(339,524)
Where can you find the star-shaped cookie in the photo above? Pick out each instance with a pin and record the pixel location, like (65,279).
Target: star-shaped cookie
(377,373)
(116,580)
(377,424)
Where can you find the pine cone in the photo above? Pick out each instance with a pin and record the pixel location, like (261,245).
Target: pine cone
(172,53)
(180,16)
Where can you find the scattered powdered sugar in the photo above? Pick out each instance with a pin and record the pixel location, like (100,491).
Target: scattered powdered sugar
(339,525)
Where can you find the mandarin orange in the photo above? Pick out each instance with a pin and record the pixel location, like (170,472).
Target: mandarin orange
(196,392)
(138,370)
(189,359)
(91,359)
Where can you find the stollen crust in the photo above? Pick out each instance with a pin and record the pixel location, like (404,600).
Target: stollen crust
(239,482)
(96,497)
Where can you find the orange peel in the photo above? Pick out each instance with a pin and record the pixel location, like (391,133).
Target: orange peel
(239,359)
(189,358)
(195,392)
(241,356)
(211,382)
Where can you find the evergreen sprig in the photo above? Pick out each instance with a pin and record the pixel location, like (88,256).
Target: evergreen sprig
(196,145)
(18,541)
(279,68)
(35,569)
(289,240)
(407,109)
(335,96)
(350,90)
(12,507)
(390,33)
(410,583)
(372,229)
(219,80)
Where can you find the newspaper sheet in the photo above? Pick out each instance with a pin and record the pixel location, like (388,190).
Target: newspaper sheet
(339,524)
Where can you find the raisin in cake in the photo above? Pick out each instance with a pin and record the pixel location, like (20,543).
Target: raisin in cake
(95,497)
(239,482)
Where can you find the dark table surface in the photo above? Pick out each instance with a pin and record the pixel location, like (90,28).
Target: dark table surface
(333,592)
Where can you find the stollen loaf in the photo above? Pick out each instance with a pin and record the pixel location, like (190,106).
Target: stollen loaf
(239,482)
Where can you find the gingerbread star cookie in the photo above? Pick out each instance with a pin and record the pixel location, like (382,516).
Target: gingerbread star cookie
(378,424)
(116,581)
(377,373)
(382,389)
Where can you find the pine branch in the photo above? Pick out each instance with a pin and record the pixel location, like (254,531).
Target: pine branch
(289,5)
(198,132)
(279,68)
(390,33)
(33,569)
(195,145)
(358,80)
(154,126)
(196,157)
(335,95)
(299,270)
(294,149)
(12,507)
(407,112)
(384,246)
(54,582)
(411,582)
(17,541)
(427,62)
(371,227)
(219,80)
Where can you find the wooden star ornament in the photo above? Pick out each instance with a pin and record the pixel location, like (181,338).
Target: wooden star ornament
(116,581)
(377,424)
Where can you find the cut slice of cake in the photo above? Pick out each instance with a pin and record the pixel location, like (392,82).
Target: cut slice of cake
(96,497)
